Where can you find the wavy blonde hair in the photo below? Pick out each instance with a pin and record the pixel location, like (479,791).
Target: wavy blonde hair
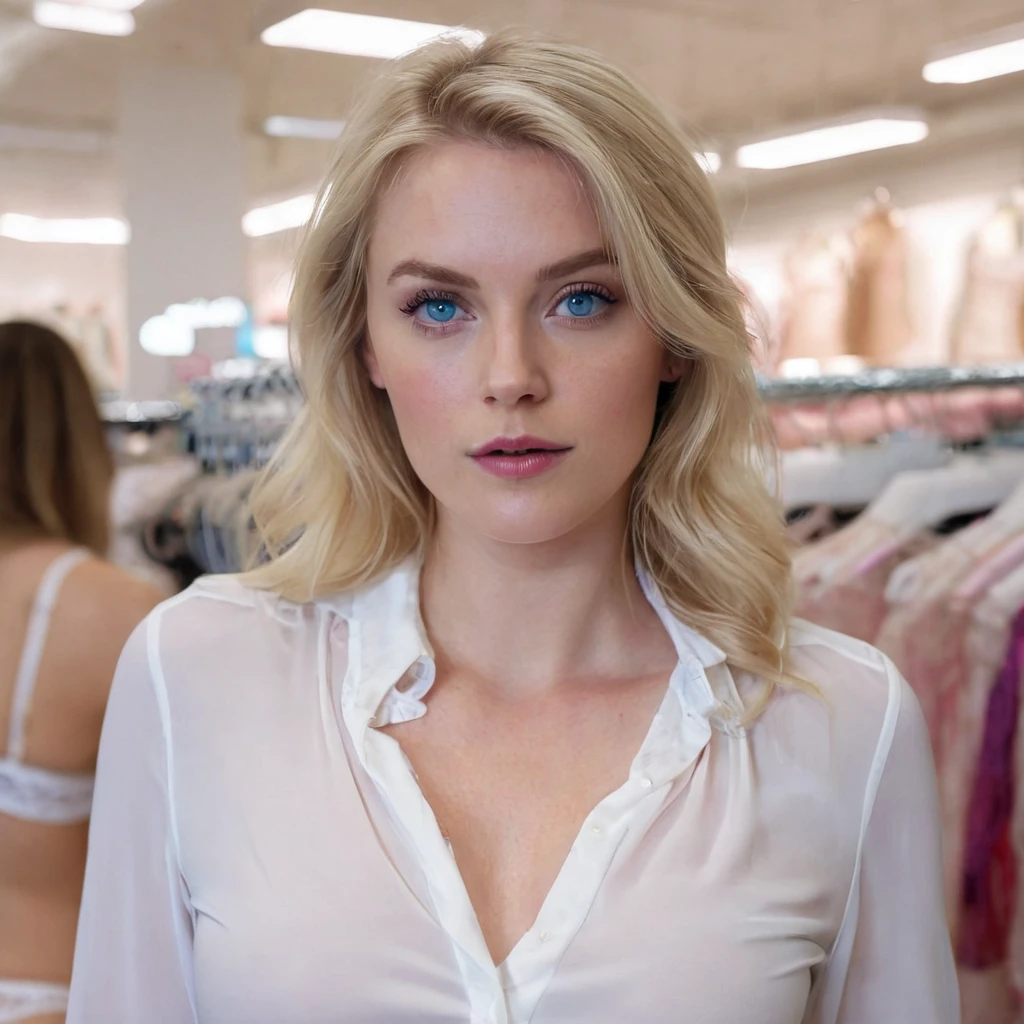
(340,503)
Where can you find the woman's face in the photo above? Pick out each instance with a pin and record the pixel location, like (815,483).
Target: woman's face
(497,326)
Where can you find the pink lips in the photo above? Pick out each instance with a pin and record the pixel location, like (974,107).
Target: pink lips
(519,457)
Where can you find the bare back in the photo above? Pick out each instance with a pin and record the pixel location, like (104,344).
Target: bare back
(42,864)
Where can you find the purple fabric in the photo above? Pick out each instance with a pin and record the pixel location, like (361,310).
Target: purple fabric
(989,865)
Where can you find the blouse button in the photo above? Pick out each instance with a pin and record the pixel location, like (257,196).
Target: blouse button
(646,782)
(596,829)
(545,936)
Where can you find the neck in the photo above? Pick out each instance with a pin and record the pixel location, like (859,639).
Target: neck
(528,617)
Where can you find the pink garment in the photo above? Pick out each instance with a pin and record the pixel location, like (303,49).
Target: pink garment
(990,871)
(943,637)
(992,570)
(985,646)
(987,997)
(933,639)
(991,875)
(878,326)
(928,642)
(814,306)
(854,606)
(958,416)
(841,581)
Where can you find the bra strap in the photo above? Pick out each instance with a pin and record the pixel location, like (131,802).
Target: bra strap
(35,641)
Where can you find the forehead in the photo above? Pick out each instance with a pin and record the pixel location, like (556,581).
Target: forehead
(469,206)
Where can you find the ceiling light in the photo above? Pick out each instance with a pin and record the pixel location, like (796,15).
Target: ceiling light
(17,136)
(878,130)
(75,18)
(988,56)
(302,128)
(106,5)
(268,220)
(710,162)
(361,35)
(91,231)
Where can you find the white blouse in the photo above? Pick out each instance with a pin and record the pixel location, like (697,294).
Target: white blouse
(261,852)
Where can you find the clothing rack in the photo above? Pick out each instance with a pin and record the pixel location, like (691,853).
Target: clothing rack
(893,382)
(776,391)
(141,414)
(236,423)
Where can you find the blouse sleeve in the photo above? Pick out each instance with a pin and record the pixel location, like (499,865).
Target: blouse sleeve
(893,959)
(133,957)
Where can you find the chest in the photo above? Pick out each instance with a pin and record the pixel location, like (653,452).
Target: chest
(502,764)
(312,903)
(329,918)
(512,782)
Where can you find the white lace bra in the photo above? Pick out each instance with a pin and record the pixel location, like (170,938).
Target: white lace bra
(38,794)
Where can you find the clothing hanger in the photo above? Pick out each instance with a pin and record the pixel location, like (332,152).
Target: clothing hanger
(922,499)
(852,476)
(1009,592)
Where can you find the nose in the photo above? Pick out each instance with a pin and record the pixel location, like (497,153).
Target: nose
(513,369)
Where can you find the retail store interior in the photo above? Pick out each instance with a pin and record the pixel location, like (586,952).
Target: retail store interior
(160,163)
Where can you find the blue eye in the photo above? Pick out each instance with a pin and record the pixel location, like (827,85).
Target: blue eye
(441,310)
(434,310)
(581,304)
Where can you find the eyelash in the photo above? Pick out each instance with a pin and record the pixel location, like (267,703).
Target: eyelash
(427,295)
(587,289)
(409,309)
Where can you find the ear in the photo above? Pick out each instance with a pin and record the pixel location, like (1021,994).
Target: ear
(371,364)
(672,368)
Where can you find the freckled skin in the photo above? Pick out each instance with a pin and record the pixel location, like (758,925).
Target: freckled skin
(510,362)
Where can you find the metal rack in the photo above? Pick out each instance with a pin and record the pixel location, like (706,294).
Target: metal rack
(141,414)
(237,423)
(880,382)
(280,381)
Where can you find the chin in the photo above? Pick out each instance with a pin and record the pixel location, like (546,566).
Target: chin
(527,522)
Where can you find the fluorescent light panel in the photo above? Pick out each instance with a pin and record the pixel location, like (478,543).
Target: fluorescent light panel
(873,131)
(359,35)
(302,128)
(988,56)
(711,162)
(91,231)
(107,5)
(76,18)
(283,216)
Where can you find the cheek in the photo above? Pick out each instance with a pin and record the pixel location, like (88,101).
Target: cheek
(425,399)
(622,394)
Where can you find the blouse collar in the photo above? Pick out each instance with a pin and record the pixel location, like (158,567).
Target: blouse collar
(391,661)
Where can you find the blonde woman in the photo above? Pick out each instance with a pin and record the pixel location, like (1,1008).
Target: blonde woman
(64,616)
(513,726)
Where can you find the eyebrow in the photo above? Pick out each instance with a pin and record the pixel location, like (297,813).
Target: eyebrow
(445,275)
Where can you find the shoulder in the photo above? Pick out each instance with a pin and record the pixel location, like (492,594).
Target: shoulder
(854,703)
(97,608)
(225,609)
(847,728)
(871,715)
(846,672)
(221,622)
(104,597)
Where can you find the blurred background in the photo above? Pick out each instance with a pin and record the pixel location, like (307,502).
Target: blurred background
(157,157)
